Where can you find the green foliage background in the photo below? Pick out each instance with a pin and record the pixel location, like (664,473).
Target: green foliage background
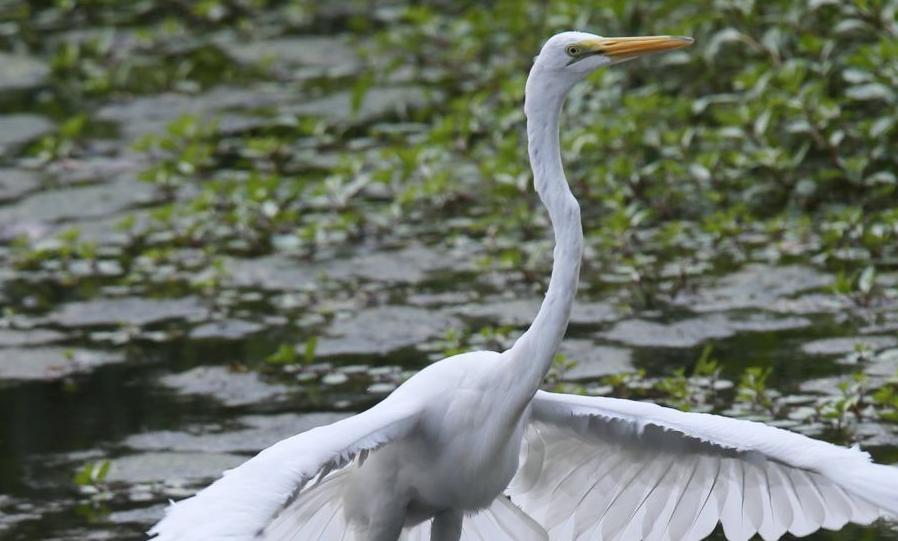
(782,116)
(776,131)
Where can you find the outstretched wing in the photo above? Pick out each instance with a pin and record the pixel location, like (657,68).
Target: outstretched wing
(248,499)
(610,469)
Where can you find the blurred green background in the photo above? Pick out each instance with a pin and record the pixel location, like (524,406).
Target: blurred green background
(228,216)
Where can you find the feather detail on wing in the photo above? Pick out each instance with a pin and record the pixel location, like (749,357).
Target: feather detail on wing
(501,521)
(319,516)
(248,500)
(610,469)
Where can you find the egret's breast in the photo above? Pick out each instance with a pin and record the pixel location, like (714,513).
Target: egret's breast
(475,461)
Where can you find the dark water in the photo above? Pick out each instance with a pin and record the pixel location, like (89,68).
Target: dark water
(53,427)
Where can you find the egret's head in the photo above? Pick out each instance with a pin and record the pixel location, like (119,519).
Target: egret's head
(573,55)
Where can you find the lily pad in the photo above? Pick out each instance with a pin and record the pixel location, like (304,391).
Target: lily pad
(376,103)
(273,273)
(756,286)
(141,515)
(127,311)
(498,311)
(72,204)
(441,299)
(50,363)
(256,432)
(411,264)
(765,322)
(14,183)
(680,334)
(230,387)
(885,364)
(382,330)
(838,346)
(230,329)
(21,71)
(31,337)
(593,361)
(520,312)
(16,129)
(694,331)
(94,168)
(106,230)
(166,466)
(869,434)
(812,303)
(298,56)
(151,114)
(594,313)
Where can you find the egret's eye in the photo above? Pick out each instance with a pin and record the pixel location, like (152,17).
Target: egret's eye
(573,50)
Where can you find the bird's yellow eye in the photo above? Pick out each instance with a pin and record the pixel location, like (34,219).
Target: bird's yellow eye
(573,50)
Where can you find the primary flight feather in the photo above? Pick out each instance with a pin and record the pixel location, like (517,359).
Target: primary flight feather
(470,448)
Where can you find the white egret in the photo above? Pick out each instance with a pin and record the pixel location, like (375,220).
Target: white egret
(470,448)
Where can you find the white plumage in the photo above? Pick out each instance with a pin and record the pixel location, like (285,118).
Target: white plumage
(604,468)
(470,449)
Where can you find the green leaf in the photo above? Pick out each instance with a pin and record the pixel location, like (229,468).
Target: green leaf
(285,354)
(311,347)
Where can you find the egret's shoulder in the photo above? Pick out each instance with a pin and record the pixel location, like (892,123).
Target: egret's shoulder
(462,364)
(451,371)
(465,363)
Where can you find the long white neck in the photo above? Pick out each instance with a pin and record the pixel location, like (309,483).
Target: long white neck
(533,352)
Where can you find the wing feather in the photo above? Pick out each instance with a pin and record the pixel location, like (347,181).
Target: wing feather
(633,498)
(263,498)
(601,496)
(661,502)
(686,499)
(577,493)
(692,500)
(780,510)
(811,506)
(734,527)
(838,510)
(602,468)
(754,495)
(709,513)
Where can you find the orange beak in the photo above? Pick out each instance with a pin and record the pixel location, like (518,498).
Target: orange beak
(620,49)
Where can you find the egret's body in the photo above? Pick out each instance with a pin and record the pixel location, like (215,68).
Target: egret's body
(436,459)
(435,470)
